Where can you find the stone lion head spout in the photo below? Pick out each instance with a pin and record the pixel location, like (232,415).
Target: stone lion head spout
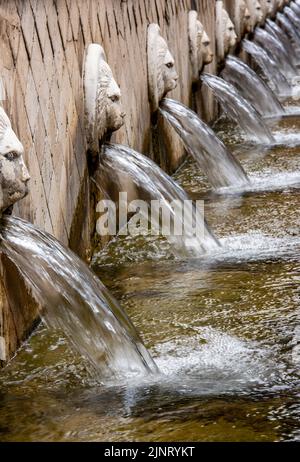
(225,32)
(102,98)
(162,76)
(267,7)
(242,18)
(200,49)
(14,175)
(256,12)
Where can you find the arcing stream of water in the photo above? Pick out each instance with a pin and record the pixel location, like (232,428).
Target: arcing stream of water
(238,109)
(74,300)
(276,51)
(120,165)
(289,28)
(211,154)
(269,68)
(252,87)
(278,34)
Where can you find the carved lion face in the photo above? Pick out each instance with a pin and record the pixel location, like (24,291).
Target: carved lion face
(166,63)
(162,75)
(256,11)
(239,16)
(102,95)
(200,49)
(248,22)
(267,6)
(14,175)
(226,36)
(206,51)
(109,102)
(242,18)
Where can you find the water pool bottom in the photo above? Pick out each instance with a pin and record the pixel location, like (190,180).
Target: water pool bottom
(225,338)
(224,331)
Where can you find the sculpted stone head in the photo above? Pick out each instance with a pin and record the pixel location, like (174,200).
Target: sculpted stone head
(248,21)
(14,175)
(242,18)
(256,12)
(225,32)
(199,42)
(267,7)
(102,98)
(162,75)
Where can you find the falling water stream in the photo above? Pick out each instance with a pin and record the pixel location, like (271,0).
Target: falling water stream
(278,34)
(211,154)
(292,16)
(276,51)
(120,165)
(238,108)
(289,28)
(269,68)
(74,300)
(252,87)
(295,7)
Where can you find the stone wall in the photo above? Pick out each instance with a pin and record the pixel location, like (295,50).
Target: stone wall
(18,310)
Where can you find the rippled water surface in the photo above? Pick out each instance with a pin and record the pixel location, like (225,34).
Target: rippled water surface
(223,329)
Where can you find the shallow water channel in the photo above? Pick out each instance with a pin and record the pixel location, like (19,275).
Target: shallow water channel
(224,329)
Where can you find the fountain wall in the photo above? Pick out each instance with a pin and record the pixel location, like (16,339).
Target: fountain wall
(42,44)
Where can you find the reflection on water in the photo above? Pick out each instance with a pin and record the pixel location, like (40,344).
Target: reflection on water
(224,329)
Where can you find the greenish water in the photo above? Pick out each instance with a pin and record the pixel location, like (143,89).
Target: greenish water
(224,329)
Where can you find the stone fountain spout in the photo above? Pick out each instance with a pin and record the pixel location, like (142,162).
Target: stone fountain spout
(225,33)
(162,75)
(267,8)
(102,98)
(256,12)
(200,45)
(14,175)
(242,19)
